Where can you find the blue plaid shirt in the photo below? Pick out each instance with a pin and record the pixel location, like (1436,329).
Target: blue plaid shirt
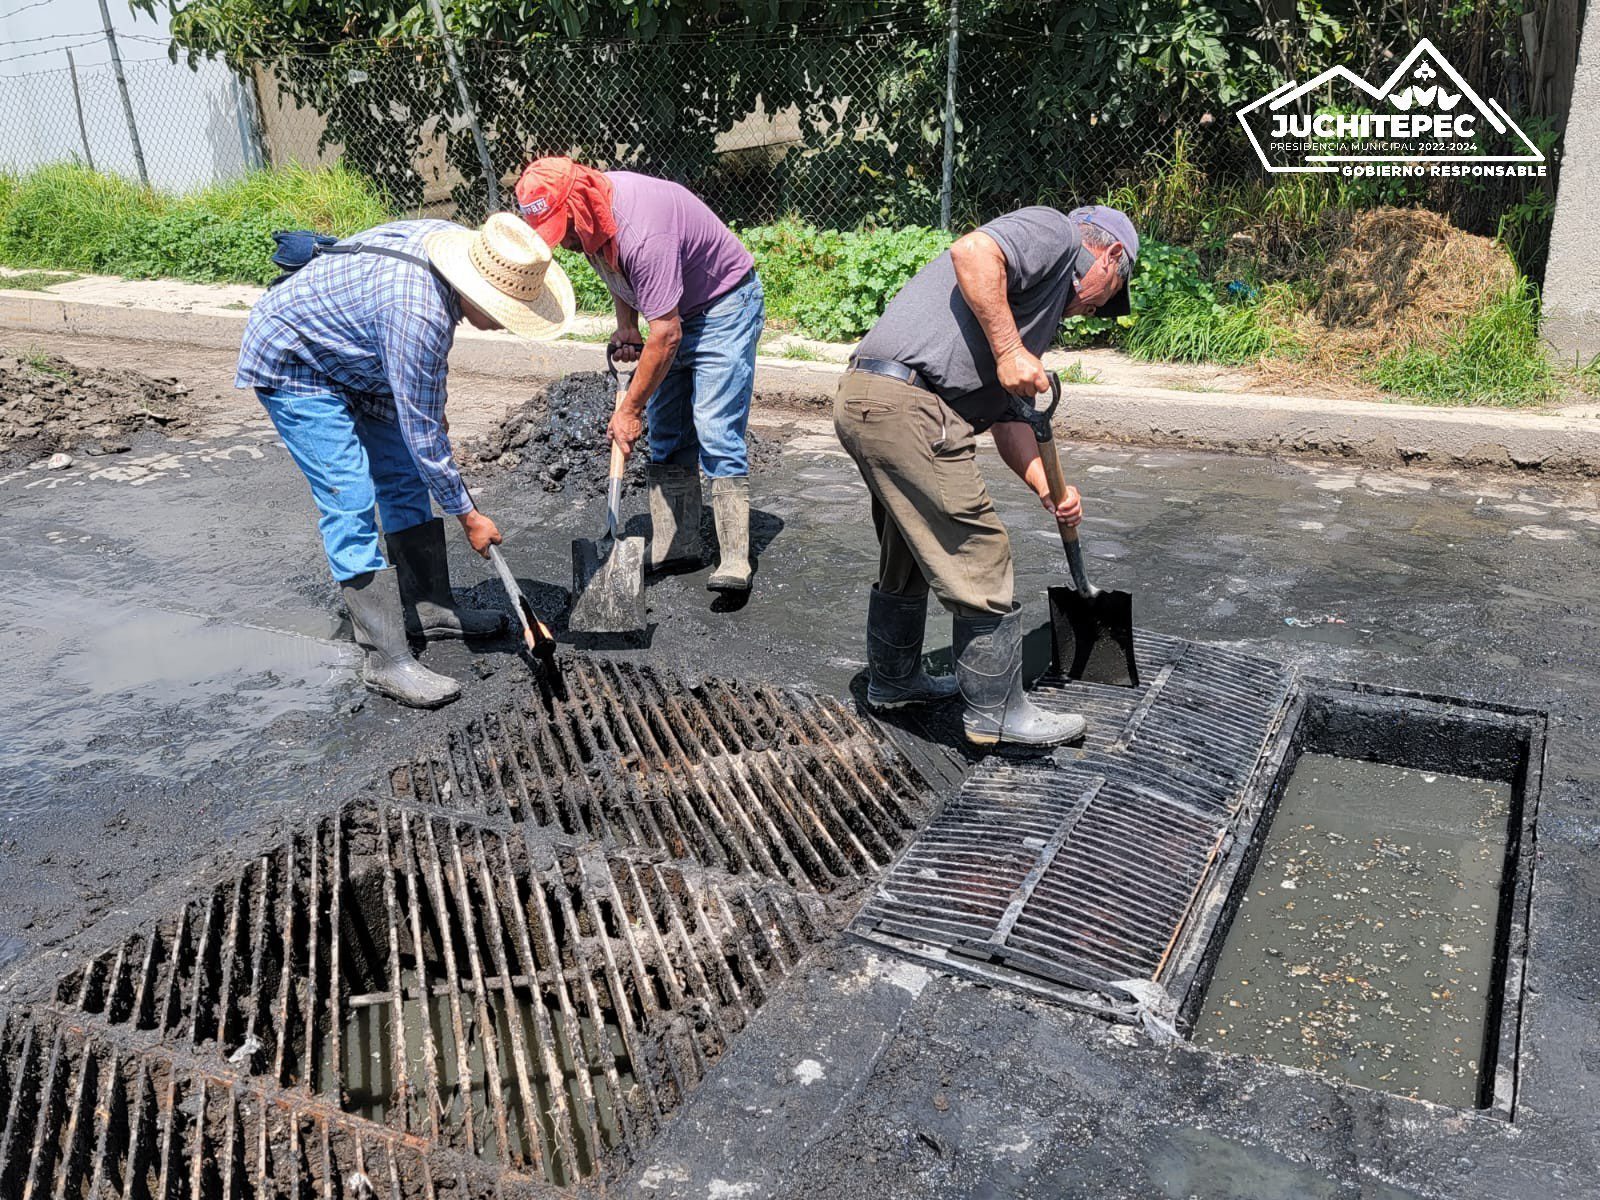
(374,330)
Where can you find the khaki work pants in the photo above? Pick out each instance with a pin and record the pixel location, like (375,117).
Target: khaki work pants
(936,525)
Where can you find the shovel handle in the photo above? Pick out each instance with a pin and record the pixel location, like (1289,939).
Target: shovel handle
(1069,533)
(619,460)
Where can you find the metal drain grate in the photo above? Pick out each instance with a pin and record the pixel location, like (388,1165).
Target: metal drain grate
(745,777)
(83,1116)
(421,973)
(1078,873)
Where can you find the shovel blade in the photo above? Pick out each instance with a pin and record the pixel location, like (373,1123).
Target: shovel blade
(607,585)
(1092,636)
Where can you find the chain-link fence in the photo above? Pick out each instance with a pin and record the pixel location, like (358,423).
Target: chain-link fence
(835,130)
(193,127)
(836,127)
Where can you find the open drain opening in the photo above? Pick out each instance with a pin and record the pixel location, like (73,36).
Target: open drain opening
(1376,922)
(421,974)
(744,777)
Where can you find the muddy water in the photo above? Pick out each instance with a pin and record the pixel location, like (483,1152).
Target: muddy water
(1363,948)
(161,693)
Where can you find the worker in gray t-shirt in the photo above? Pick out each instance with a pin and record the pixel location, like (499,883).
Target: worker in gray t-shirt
(952,356)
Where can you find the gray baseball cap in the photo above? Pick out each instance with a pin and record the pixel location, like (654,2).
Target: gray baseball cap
(1116,223)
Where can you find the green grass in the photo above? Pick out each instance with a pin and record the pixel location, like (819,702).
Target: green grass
(67,217)
(1183,327)
(43,362)
(1496,359)
(1076,372)
(36,281)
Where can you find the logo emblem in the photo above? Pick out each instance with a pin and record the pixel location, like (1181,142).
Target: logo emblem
(1425,119)
(535,206)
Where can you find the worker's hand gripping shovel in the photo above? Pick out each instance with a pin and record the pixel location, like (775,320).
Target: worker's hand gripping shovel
(608,574)
(1091,630)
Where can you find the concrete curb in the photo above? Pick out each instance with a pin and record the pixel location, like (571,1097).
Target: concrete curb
(1559,442)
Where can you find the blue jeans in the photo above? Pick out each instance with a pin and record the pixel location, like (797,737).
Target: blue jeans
(702,407)
(357,467)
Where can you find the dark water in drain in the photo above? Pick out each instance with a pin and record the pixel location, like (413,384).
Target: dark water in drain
(370,1080)
(1364,945)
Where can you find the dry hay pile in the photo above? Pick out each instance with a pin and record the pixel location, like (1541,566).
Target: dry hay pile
(1396,276)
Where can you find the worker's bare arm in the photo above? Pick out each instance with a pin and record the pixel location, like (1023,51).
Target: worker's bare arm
(660,348)
(1020,450)
(627,342)
(981,275)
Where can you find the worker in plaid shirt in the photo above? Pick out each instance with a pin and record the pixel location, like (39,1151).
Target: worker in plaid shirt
(349,356)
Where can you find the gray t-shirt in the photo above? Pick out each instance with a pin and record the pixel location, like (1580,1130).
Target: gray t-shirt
(929,327)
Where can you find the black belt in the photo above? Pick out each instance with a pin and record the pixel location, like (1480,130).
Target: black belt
(890,369)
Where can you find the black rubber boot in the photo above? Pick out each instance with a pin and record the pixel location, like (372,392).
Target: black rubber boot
(674,494)
(730,505)
(988,652)
(374,603)
(895,679)
(420,561)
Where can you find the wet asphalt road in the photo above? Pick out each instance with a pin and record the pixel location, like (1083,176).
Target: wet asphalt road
(177,682)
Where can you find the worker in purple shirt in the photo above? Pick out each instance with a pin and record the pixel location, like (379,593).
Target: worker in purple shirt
(348,355)
(666,257)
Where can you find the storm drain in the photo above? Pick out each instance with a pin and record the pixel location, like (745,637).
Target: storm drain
(82,1115)
(457,988)
(1076,875)
(745,777)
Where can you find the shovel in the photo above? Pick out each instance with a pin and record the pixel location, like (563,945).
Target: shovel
(608,574)
(1091,630)
(536,634)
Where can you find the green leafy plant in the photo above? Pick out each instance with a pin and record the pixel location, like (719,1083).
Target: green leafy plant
(587,286)
(867,270)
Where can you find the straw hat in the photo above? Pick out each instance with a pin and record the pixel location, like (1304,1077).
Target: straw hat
(506,270)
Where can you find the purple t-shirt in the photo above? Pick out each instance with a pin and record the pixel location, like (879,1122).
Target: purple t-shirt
(674,251)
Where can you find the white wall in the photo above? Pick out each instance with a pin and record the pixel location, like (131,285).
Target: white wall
(193,125)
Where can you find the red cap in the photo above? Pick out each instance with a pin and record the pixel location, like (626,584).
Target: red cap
(542,194)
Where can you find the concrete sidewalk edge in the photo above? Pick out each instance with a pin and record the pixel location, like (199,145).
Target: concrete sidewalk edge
(1545,441)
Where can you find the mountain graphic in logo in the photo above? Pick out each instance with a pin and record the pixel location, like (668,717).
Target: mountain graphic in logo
(1424,112)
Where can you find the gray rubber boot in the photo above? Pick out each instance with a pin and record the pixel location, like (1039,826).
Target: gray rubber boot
(374,603)
(895,625)
(988,652)
(674,493)
(730,504)
(423,569)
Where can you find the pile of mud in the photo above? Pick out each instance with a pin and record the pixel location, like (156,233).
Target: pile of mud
(557,441)
(49,406)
